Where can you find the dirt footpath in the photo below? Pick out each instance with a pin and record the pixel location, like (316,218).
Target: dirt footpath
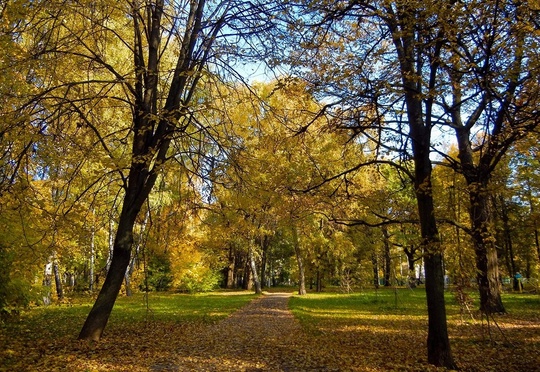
(262,336)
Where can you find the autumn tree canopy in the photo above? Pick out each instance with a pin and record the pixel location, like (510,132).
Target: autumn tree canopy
(383,139)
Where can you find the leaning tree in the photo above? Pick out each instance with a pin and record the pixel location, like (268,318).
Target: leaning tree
(131,74)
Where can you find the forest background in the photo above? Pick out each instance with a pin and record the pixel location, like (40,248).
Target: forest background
(389,143)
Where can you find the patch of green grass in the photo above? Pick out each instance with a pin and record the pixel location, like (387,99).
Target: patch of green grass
(334,305)
(315,308)
(174,307)
(67,319)
(388,328)
(525,304)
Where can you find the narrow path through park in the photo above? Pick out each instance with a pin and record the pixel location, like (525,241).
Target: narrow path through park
(262,336)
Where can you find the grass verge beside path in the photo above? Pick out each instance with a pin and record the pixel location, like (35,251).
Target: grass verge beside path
(382,330)
(387,330)
(44,338)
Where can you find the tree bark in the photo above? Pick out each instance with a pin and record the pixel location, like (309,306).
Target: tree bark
(402,27)
(300,261)
(265,242)
(135,255)
(129,272)
(92,263)
(255,276)
(230,268)
(412,279)
(246,278)
(111,242)
(153,126)
(58,281)
(99,314)
(375,264)
(387,258)
(504,130)
(439,351)
(487,265)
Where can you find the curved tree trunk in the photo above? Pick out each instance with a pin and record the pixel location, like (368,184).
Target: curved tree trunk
(99,315)
(152,127)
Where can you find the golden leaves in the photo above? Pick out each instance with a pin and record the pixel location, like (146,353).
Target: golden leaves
(356,332)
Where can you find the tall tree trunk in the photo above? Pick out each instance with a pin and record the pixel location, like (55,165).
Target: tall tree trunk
(412,280)
(111,243)
(375,265)
(265,242)
(477,179)
(439,351)
(99,314)
(47,274)
(387,258)
(263,269)
(254,275)
(91,273)
(477,168)
(438,344)
(487,264)
(58,281)
(300,261)
(230,268)
(246,278)
(301,273)
(152,128)
(405,30)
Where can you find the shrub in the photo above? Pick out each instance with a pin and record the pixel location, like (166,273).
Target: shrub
(159,276)
(199,278)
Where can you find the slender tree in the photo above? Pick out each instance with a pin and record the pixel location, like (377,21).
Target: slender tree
(161,114)
(493,104)
(408,55)
(392,52)
(145,58)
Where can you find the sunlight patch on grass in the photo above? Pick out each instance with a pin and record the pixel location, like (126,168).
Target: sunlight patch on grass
(207,307)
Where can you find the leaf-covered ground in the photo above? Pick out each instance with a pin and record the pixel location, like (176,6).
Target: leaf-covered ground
(329,332)
(388,332)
